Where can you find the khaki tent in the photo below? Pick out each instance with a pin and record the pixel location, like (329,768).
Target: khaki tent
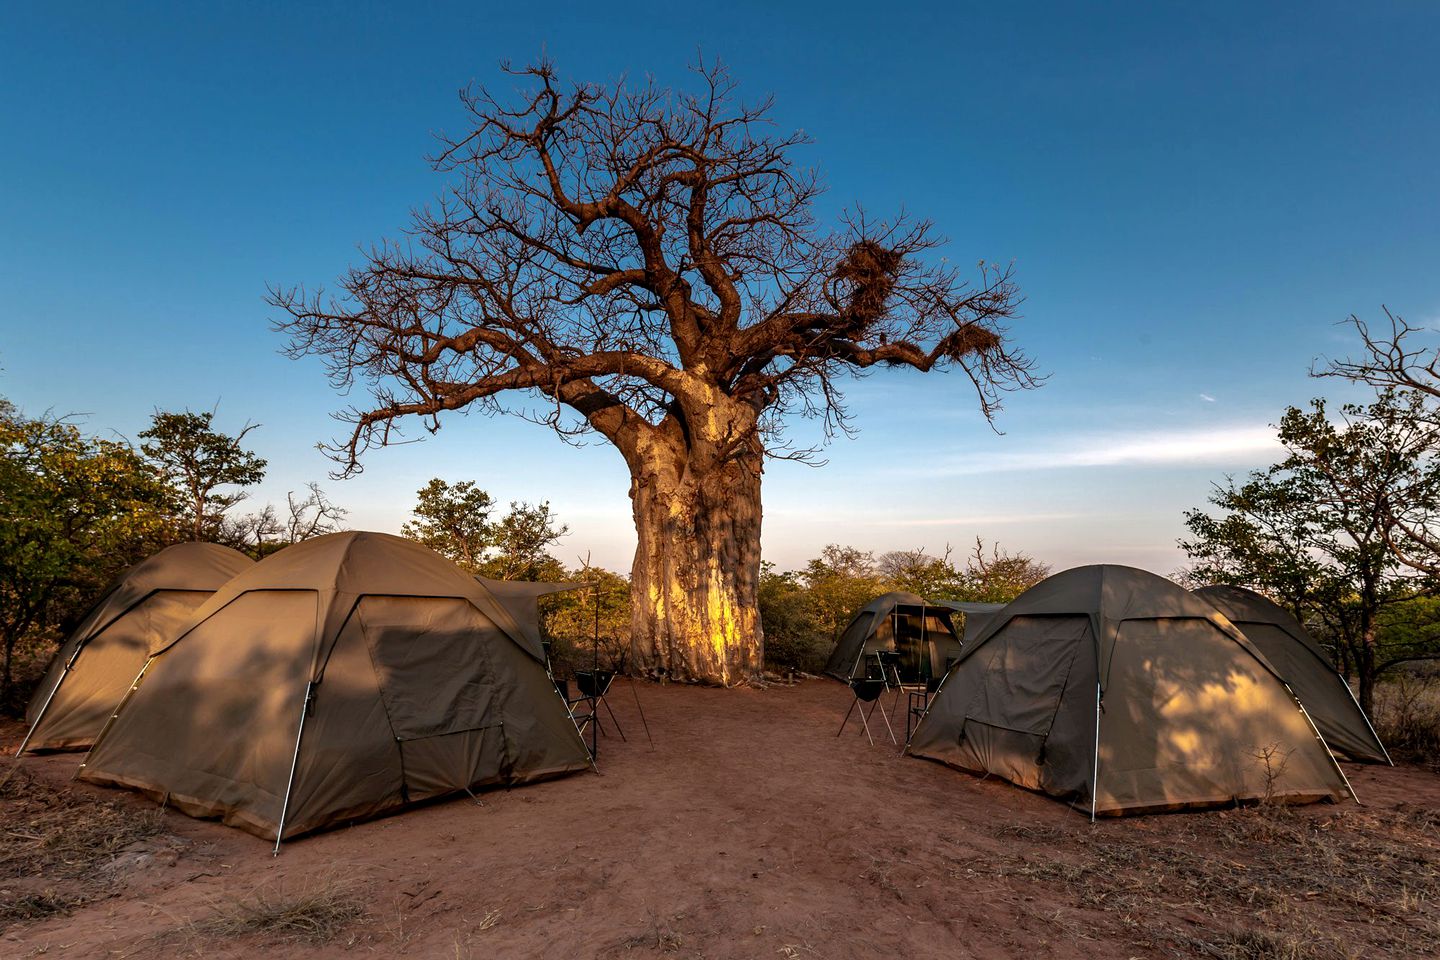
(1120,691)
(920,632)
(1305,666)
(338,679)
(138,614)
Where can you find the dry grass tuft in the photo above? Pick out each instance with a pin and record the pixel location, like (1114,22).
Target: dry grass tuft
(1407,717)
(57,846)
(1254,945)
(1309,882)
(659,934)
(61,833)
(316,912)
(36,906)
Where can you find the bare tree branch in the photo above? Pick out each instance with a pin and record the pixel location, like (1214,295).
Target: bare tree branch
(636,256)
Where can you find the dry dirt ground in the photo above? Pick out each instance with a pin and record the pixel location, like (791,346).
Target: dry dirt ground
(749,831)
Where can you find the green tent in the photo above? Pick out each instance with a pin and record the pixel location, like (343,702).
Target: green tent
(336,680)
(1121,691)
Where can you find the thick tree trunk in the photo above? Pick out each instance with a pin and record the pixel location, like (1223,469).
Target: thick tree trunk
(695,613)
(1366,657)
(1365,670)
(6,676)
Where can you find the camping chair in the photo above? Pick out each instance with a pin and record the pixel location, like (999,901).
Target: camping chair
(582,712)
(918,701)
(867,690)
(593,686)
(888,662)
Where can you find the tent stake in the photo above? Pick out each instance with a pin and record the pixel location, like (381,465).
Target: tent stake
(294,762)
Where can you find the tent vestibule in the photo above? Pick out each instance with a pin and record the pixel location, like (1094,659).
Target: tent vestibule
(920,632)
(1306,667)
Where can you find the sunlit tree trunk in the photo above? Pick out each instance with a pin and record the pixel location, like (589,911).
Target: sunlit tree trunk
(695,580)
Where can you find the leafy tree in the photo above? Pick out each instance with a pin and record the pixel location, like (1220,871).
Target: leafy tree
(454,521)
(1315,530)
(794,638)
(915,571)
(74,511)
(521,541)
(996,576)
(647,265)
(1411,627)
(839,582)
(198,461)
(570,618)
(1402,363)
(999,576)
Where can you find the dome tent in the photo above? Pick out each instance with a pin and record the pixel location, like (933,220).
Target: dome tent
(136,616)
(338,679)
(1305,666)
(921,632)
(1121,691)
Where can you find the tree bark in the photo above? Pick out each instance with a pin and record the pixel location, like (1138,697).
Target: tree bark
(1365,669)
(6,676)
(695,602)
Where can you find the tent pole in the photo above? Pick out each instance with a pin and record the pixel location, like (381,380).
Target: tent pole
(576,723)
(925,639)
(643,721)
(135,685)
(65,672)
(1368,725)
(1095,770)
(1321,740)
(294,763)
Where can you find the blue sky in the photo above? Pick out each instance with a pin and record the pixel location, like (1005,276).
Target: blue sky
(1192,197)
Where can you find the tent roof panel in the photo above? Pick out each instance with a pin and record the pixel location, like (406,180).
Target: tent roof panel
(184,566)
(342,567)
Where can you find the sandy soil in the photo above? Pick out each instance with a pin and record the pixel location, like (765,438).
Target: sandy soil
(751,831)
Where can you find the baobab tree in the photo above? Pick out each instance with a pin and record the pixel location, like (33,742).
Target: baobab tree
(646,265)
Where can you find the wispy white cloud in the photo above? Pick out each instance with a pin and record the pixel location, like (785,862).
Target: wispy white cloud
(1237,445)
(1207,398)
